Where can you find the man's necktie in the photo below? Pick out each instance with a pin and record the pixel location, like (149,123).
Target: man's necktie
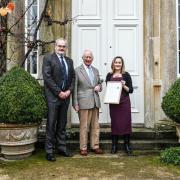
(91,75)
(64,71)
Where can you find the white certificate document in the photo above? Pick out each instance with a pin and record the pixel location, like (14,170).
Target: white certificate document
(113,92)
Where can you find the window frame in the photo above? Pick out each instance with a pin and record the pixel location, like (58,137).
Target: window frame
(35,75)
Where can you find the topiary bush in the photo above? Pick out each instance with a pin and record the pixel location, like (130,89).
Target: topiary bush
(171,156)
(171,102)
(21,98)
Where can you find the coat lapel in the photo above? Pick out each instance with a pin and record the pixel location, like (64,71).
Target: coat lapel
(56,59)
(95,75)
(59,64)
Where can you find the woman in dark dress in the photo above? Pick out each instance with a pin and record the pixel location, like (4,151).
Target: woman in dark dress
(120,113)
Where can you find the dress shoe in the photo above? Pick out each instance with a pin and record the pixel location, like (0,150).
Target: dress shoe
(127,149)
(83,152)
(98,151)
(50,157)
(65,153)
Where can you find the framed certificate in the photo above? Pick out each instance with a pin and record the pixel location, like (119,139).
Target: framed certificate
(113,92)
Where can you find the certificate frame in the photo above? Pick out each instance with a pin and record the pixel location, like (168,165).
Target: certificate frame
(113,92)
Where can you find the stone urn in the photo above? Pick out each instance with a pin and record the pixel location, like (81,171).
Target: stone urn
(17,141)
(178,131)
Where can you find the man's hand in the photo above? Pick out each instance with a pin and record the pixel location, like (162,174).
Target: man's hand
(64,95)
(97,88)
(68,93)
(76,108)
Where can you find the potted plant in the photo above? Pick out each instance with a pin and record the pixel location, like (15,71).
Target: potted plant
(22,107)
(171,104)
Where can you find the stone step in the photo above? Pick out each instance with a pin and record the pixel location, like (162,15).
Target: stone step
(135,144)
(138,134)
(141,138)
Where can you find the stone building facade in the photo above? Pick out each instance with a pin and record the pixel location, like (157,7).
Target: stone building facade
(158,47)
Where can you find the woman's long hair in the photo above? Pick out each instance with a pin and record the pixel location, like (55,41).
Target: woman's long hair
(123,65)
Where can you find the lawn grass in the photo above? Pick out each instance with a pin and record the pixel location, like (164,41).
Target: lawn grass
(90,167)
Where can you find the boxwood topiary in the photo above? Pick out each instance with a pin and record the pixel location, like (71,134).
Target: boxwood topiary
(21,98)
(171,102)
(171,156)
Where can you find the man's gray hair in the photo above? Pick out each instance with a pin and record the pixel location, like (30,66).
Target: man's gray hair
(87,50)
(60,39)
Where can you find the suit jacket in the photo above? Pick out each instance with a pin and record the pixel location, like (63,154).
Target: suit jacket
(53,77)
(84,94)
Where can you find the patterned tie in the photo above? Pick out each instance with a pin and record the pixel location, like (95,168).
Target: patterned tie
(91,75)
(64,72)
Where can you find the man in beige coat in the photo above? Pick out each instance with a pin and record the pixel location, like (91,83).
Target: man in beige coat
(86,102)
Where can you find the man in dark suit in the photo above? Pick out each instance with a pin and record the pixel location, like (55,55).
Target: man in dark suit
(59,76)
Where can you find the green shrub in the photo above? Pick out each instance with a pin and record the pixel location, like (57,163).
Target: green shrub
(171,102)
(171,156)
(21,98)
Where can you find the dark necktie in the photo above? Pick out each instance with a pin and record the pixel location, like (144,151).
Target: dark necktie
(64,72)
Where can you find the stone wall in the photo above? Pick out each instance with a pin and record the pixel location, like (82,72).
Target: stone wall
(160,49)
(160,57)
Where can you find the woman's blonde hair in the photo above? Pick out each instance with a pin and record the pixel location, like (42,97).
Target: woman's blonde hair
(123,65)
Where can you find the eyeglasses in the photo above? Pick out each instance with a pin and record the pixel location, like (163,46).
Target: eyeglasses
(61,46)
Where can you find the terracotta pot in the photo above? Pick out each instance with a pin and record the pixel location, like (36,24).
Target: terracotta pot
(178,131)
(17,141)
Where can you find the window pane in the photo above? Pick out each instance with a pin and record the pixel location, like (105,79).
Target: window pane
(30,1)
(32,63)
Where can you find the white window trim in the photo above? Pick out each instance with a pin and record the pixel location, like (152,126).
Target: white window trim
(26,31)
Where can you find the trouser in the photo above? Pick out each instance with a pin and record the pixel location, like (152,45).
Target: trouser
(89,119)
(56,126)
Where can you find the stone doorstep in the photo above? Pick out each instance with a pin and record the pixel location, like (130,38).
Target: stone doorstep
(135,144)
(141,139)
(138,134)
(144,145)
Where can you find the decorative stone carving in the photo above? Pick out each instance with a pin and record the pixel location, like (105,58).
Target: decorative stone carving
(17,142)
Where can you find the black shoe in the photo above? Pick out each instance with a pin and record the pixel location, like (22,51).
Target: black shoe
(50,157)
(65,153)
(126,144)
(127,149)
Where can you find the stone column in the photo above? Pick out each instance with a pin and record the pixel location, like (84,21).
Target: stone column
(168,49)
(148,64)
(160,55)
(15,42)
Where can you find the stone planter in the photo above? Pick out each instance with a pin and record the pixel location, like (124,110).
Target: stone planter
(178,131)
(17,141)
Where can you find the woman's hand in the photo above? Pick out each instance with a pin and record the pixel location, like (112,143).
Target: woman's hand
(124,85)
(123,82)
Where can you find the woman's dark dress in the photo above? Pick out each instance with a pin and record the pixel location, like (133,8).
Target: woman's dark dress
(121,113)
